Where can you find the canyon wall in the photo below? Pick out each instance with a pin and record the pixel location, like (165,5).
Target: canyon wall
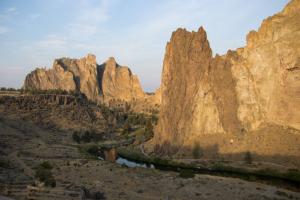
(105,82)
(236,93)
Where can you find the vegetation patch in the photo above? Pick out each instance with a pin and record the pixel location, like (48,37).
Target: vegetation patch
(86,136)
(44,174)
(248,158)
(197,151)
(290,179)
(186,173)
(5,164)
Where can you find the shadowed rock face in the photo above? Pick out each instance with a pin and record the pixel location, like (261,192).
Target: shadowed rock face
(240,91)
(98,82)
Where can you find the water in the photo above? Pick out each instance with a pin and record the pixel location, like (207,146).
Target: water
(112,156)
(132,164)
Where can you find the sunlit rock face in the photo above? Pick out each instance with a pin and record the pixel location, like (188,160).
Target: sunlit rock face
(235,93)
(267,71)
(118,82)
(84,72)
(188,106)
(56,78)
(98,82)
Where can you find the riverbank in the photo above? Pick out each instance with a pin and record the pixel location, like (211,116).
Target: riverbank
(254,172)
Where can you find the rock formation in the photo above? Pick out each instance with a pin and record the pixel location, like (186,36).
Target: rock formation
(98,82)
(119,83)
(56,78)
(235,93)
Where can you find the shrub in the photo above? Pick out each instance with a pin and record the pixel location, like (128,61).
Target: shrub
(43,173)
(248,158)
(186,173)
(197,151)
(86,137)
(46,165)
(76,137)
(126,127)
(149,129)
(4,164)
(93,150)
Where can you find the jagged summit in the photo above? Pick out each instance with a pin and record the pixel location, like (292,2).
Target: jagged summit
(292,7)
(98,82)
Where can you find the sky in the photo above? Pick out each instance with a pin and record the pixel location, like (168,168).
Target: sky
(35,32)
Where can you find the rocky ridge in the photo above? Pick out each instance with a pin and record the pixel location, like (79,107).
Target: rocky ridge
(55,112)
(100,83)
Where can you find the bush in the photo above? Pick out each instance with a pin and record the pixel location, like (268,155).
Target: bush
(186,173)
(126,127)
(76,137)
(46,165)
(5,164)
(248,158)
(93,150)
(43,173)
(149,129)
(197,151)
(86,137)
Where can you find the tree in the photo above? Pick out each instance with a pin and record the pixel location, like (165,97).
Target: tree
(149,129)
(43,173)
(126,127)
(86,137)
(197,151)
(248,158)
(76,137)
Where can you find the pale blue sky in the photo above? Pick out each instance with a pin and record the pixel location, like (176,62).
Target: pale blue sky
(35,32)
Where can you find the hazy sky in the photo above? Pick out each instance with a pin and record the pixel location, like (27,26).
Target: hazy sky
(35,32)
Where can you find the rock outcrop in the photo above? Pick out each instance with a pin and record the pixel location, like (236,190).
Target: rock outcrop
(235,93)
(56,78)
(119,83)
(105,82)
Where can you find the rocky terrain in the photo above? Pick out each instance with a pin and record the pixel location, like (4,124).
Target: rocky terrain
(228,126)
(27,144)
(50,111)
(246,100)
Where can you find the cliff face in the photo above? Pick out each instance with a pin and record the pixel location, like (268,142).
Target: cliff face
(185,87)
(84,73)
(270,63)
(56,78)
(98,82)
(119,83)
(235,93)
